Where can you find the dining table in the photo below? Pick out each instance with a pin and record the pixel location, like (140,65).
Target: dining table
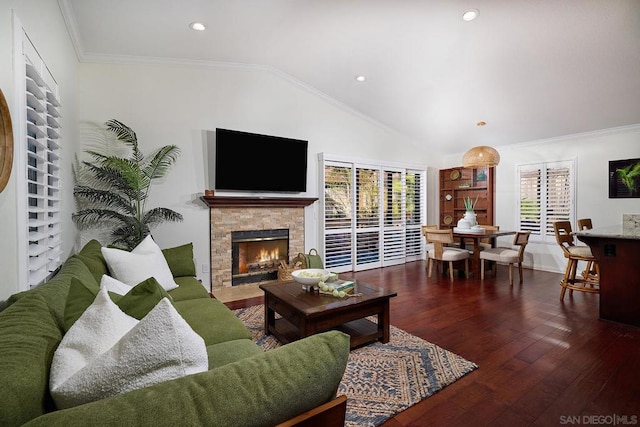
(471,239)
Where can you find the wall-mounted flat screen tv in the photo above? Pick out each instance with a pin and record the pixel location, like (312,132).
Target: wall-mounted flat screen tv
(246,161)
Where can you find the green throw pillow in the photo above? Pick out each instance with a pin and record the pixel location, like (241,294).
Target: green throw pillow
(81,295)
(91,256)
(136,303)
(141,299)
(180,260)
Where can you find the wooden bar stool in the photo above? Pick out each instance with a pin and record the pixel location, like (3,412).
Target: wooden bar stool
(574,254)
(591,270)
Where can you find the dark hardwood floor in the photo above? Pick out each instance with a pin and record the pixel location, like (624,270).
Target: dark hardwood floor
(541,361)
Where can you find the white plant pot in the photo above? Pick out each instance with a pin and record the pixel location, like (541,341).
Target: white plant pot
(471,218)
(463,224)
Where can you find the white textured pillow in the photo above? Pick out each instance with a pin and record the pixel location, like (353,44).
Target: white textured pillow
(114,285)
(161,347)
(144,261)
(100,326)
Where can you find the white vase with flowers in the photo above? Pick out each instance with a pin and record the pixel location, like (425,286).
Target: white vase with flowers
(470,216)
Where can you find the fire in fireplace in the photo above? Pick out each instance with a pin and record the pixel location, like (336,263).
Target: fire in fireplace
(256,255)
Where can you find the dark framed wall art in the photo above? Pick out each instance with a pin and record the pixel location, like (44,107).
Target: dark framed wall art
(624,178)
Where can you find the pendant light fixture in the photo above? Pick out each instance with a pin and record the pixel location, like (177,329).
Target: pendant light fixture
(481,156)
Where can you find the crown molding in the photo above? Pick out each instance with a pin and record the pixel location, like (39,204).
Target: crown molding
(72,27)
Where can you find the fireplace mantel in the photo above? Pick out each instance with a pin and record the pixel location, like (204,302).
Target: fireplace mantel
(228,214)
(257,202)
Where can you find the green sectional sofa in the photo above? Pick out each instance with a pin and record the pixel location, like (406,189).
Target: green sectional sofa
(243,386)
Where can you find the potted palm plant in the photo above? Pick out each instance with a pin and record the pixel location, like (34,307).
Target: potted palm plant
(111,191)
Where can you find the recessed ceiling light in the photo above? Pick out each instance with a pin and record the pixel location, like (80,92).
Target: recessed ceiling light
(197,26)
(470,14)
(360,78)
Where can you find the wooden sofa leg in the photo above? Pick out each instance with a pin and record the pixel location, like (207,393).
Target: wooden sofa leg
(331,414)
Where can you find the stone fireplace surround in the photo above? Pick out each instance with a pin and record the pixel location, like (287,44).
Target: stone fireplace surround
(227,214)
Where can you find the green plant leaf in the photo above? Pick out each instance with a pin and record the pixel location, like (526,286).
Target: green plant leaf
(628,175)
(125,134)
(91,217)
(157,216)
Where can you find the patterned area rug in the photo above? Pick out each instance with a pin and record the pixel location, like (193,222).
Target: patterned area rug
(382,380)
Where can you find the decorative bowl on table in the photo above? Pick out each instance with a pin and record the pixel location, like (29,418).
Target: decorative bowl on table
(310,276)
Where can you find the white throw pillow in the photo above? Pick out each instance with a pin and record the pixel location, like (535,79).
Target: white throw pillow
(144,261)
(161,347)
(114,285)
(100,326)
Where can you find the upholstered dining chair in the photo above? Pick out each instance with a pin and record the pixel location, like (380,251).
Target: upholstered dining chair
(428,246)
(591,269)
(574,254)
(507,255)
(442,253)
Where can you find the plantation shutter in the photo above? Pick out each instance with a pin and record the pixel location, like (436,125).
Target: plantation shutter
(372,215)
(367,211)
(393,203)
(43,151)
(338,215)
(530,199)
(559,206)
(546,196)
(414,214)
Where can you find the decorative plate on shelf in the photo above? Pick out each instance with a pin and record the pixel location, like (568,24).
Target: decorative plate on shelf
(447,219)
(455,174)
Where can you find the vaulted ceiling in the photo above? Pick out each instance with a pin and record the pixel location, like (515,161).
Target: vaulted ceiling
(530,69)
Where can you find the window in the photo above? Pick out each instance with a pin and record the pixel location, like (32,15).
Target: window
(546,195)
(372,215)
(39,159)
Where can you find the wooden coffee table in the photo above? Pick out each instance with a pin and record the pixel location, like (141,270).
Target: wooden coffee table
(303,313)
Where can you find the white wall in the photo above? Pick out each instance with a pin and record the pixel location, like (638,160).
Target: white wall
(176,104)
(592,153)
(43,22)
